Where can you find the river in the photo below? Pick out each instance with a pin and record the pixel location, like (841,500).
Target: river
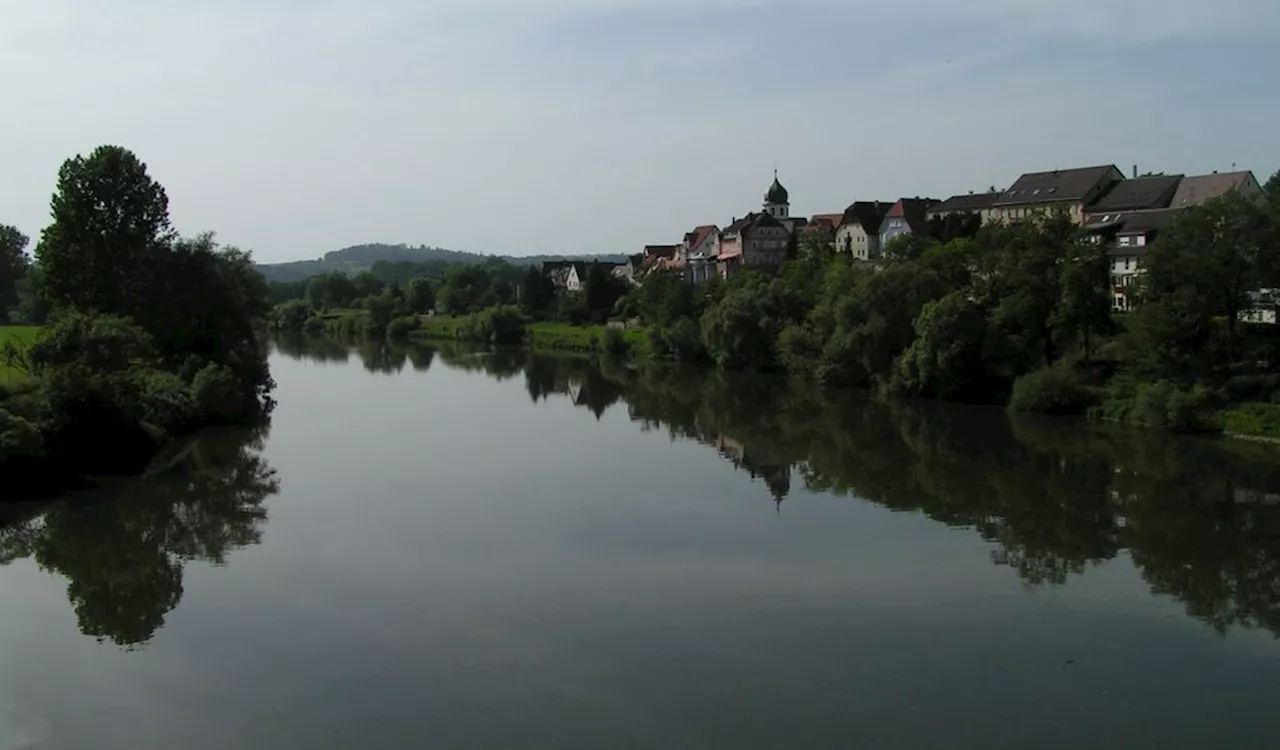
(449,549)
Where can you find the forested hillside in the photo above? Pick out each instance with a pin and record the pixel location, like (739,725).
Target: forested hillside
(357,258)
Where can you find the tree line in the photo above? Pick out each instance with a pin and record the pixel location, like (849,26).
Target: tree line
(389,298)
(146,335)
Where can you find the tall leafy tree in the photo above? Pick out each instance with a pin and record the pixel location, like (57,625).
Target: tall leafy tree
(420,294)
(1201,270)
(602,291)
(109,219)
(13,266)
(1084,308)
(537,292)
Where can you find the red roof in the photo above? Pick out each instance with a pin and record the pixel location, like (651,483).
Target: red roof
(830,221)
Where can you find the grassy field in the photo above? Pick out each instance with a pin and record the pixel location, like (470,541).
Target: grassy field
(563,336)
(1253,420)
(437,327)
(21,335)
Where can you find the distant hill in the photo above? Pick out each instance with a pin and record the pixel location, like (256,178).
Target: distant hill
(357,258)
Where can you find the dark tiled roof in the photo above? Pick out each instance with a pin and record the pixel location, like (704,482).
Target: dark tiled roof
(1138,193)
(868,214)
(1131,222)
(972,202)
(1056,186)
(1142,222)
(752,221)
(1193,191)
(662,251)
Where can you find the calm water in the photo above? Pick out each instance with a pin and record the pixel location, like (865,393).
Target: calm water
(450,550)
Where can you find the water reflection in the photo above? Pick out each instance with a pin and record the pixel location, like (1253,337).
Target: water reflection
(123,548)
(1200,519)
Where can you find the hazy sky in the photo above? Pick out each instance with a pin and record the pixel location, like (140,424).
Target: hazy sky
(293,128)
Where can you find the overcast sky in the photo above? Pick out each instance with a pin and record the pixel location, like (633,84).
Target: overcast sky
(501,126)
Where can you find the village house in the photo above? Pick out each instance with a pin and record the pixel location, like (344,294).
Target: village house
(1130,215)
(755,241)
(859,230)
(1039,193)
(1128,234)
(759,240)
(629,269)
(558,271)
(697,254)
(653,257)
(907,216)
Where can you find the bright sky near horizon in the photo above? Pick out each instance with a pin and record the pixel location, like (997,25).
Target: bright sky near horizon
(295,127)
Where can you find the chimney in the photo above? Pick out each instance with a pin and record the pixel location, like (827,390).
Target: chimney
(1135,170)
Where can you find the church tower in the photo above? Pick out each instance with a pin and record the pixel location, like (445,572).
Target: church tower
(777,202)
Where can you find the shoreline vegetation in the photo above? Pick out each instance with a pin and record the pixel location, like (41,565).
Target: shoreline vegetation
(131,336)
(1013,315)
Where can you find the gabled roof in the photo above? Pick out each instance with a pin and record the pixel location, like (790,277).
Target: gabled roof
(828,221)
(912,210)
(1057,186)
(1131,224)
(970,203)
(1154,191)
(700,234)
(867,214)
(1196,190)
(1143,222)
(661,251)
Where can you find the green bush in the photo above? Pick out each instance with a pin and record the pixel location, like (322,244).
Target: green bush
(401,327)
(290,316)
(1254,419)
(679,340)
(218,395)
(496,325)
(1053,390)
(1160,404)
(165,401)
(613,343)
(18,438)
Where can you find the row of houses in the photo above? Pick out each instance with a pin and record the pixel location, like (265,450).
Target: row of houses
(1126,212)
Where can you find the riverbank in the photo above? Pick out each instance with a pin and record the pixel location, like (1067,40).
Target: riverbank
(1238,407)
(542,336)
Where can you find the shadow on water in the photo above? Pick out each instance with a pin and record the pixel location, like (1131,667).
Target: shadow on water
(123,547)
(1199,518)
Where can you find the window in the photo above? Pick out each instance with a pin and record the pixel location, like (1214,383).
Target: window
(1140,241)
(1124,242)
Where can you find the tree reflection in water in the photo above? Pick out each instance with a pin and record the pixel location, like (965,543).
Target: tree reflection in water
(1199,518)
(123,549)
